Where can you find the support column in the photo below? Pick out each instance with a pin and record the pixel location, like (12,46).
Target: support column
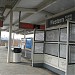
(24,39)
(9,41)
(0,36)
(13,40)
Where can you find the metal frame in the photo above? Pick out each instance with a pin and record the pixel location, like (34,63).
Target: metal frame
(59,50)
(60,33)
(38,41)
(69,42)
(51,30)
(56,42)
(53,54)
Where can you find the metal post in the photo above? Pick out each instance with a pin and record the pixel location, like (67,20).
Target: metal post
(24,39)
(33,49)
(13,40)
(67,48)
(9,41)
(0,36)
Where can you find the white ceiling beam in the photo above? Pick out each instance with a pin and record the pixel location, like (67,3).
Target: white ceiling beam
(30,10)
(18,30)
(29,14)
(47,13)
(27,10)
(22,18)
(42,22)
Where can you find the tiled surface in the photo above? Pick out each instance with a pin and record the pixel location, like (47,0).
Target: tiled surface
(23,68)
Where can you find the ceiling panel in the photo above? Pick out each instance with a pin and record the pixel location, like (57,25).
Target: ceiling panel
(23,13)
(60,6)
(34,18)
(15,16)
(3,3)
(7,20)
(15,28)
(29,3)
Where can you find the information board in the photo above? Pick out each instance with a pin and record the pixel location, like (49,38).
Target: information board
(28,43)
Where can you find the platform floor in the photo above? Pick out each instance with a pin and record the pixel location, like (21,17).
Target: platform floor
(23,68)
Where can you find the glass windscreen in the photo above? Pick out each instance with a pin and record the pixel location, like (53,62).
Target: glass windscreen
(52,35)
(72,54)
(39,35)
(63,49)
(52,49)
(39,47)
(63,34)
(72,32)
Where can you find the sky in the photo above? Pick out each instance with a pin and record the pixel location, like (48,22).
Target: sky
(5,35)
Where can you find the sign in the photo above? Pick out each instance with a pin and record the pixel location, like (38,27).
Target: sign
(42,27)
(30,26)
(1,23)
(26,25)
(60,19)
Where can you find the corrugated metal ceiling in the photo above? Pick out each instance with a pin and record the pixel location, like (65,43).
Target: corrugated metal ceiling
(6,4)
(28,17)
(60,6)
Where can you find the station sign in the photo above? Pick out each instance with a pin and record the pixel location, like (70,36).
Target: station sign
(26,25)
(30,26)
(1,23)
(60,19)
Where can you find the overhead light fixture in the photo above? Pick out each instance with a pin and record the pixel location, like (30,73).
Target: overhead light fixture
(7,10)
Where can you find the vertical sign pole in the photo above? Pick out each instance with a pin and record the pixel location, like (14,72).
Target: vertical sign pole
(13,40)
(67,48)
(9,41)
(0,36)
(24,40)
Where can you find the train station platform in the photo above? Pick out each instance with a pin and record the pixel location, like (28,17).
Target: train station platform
(23,68)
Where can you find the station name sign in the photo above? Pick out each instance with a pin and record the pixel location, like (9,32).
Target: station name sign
(30,26)
(60,19)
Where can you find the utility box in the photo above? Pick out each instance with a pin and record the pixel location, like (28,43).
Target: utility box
(17,55)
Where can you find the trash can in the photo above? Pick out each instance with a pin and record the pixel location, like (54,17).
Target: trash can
(17,55)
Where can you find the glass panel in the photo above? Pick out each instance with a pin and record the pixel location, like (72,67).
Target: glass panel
(63,49)
(71,53)
(52,49)
(39,47)
(72,32)
(52,35)
(63,34)
(39,35)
